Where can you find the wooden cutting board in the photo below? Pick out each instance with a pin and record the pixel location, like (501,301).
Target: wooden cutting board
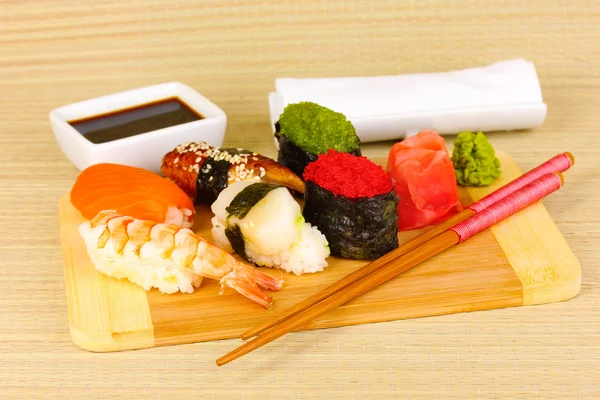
(521,261)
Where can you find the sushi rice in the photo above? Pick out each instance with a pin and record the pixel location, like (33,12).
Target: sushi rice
(142,270)
(274,231)
(179,216)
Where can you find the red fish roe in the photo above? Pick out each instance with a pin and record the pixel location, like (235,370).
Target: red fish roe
(348,175)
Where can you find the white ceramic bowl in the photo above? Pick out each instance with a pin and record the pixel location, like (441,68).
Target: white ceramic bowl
(145,150)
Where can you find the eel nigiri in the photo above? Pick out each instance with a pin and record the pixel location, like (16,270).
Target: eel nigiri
(131,191)
(167,257)
(263,223)
(203,171)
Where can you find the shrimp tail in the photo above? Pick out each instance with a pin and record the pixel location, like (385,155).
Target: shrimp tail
(244,279)
(267,281)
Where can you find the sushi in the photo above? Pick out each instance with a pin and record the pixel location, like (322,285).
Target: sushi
(352,201)
(131,191)
(202,171)
(263,223)
(424,179)
(305,130)
(167,257)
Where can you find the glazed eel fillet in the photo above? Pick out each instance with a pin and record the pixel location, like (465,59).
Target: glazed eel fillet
(203,171)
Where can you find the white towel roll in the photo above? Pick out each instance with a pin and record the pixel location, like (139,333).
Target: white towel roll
(499,97)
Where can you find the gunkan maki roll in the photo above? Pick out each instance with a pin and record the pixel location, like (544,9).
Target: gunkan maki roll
(351,200)
(305,130)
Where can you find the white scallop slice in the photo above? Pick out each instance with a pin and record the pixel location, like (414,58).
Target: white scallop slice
(226,197)
(271,226)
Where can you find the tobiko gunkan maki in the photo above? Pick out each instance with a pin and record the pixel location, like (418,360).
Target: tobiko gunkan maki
(307,129)
(351,200)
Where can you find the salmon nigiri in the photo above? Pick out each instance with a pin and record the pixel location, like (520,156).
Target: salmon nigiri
(131,191)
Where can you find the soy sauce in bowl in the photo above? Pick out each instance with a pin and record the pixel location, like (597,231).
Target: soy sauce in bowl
(135,120)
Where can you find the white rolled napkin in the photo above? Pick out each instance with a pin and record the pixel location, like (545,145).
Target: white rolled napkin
(502,96)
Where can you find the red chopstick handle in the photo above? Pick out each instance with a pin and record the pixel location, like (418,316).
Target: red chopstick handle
(508,206)
(558,163)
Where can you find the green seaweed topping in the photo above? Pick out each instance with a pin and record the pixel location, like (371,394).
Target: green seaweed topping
(474,159)
(247,198)
(316,129)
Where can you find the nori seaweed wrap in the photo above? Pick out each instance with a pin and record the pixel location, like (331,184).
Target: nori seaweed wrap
(352,202)
(306,129)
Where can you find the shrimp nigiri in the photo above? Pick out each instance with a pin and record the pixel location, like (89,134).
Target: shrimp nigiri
(131,191)
(168,257)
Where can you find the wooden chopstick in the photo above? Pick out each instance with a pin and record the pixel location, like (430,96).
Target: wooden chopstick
(558,163)
(459,233)
(361,273)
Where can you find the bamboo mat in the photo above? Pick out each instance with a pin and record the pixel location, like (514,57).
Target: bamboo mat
(54,53)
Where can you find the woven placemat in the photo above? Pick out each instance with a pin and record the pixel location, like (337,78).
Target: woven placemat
(59,52)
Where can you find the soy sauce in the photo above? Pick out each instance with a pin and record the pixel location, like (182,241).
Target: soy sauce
(136,120)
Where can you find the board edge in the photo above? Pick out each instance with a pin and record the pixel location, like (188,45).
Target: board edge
(90,340)
(556,291)
(107,342)
(566,285)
